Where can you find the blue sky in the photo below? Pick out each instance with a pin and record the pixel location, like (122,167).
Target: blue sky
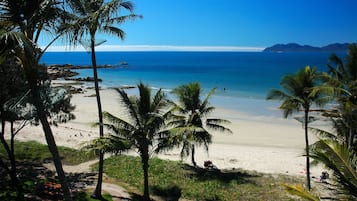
(239,23)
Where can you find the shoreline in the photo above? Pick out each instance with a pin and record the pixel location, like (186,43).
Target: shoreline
(265,144)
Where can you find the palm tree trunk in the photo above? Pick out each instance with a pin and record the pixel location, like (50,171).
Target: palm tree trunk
(51,143)
(351,133)
(308,182)
(16,180)
(145,162)
(98,190)
(193,155)
(10,152)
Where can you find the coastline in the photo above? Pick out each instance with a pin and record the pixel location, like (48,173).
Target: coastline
(265,144)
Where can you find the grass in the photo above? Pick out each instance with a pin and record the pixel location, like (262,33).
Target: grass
(36,151)
(170,178)
(85,196)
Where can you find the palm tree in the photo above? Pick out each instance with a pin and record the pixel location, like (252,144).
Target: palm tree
(299,95)
(141,129)
(90,17)
(191,121)
(341,160)
(340,81)
(31,18)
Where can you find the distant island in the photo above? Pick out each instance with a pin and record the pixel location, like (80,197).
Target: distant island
(294,47)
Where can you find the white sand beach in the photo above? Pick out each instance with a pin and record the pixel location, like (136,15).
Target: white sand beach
(264,144)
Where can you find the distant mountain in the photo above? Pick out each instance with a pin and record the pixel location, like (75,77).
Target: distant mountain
(294,47)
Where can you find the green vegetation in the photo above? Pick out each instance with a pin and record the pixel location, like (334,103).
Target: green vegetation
(36,151)
(172,178)
(85,196)
(298,95)
(190,120)
(88,19)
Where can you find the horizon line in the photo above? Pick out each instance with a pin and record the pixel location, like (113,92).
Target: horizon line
(132,48)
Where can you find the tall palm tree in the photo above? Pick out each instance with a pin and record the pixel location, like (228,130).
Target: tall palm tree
(340,81)
(141,129)
(191,122)
(31,18)
(90,17)
(298,95)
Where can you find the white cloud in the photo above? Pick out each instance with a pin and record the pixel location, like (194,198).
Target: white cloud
(158,48)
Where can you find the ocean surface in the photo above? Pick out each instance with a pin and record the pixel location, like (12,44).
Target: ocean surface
(242,79)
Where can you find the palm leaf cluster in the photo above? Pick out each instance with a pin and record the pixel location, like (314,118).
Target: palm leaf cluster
(334,150)
(299,94)
(190,120)
(154,124)
(22,22)
(341,160)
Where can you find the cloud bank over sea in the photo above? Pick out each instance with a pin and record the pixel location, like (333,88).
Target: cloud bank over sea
(111,48)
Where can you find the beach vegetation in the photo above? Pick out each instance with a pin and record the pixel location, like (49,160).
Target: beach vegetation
(87,19)
(139,129)
(299,94)
(30,158)
(340,83)
(25,22)
(174,180)
(190,120)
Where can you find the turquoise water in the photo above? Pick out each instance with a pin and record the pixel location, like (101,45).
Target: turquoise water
(242,79)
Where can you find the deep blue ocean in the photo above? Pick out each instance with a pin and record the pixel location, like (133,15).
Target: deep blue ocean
(242,79)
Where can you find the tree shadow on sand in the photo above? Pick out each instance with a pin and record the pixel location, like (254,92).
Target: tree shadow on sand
(224,176)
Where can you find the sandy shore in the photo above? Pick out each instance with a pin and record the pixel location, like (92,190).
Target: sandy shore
(260,143)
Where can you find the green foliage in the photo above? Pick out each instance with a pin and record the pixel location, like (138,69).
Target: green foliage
(341,160)
(85,196)
(190,123)
(35,151)
(172,178)
(300,191)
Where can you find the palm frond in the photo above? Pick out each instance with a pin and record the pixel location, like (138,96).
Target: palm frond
(300,191)
(116,122)
(128,103)
(341,160)
(322,134)
(114,31)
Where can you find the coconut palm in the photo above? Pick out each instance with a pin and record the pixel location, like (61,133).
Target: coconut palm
(191,123)
(31,18)
(141,128)
(298,95)
(341,160)
(341,83)
(90,17)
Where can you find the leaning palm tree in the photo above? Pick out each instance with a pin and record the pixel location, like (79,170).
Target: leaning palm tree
(299,95)
(190,124)
(31,19)
(90,17)
(140,129)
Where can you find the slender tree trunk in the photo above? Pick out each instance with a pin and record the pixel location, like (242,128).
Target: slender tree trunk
(51,143)
(145,163)
(17,181)
(10,152)
(351,134)
(193,155)
(308,183)
(98,190)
